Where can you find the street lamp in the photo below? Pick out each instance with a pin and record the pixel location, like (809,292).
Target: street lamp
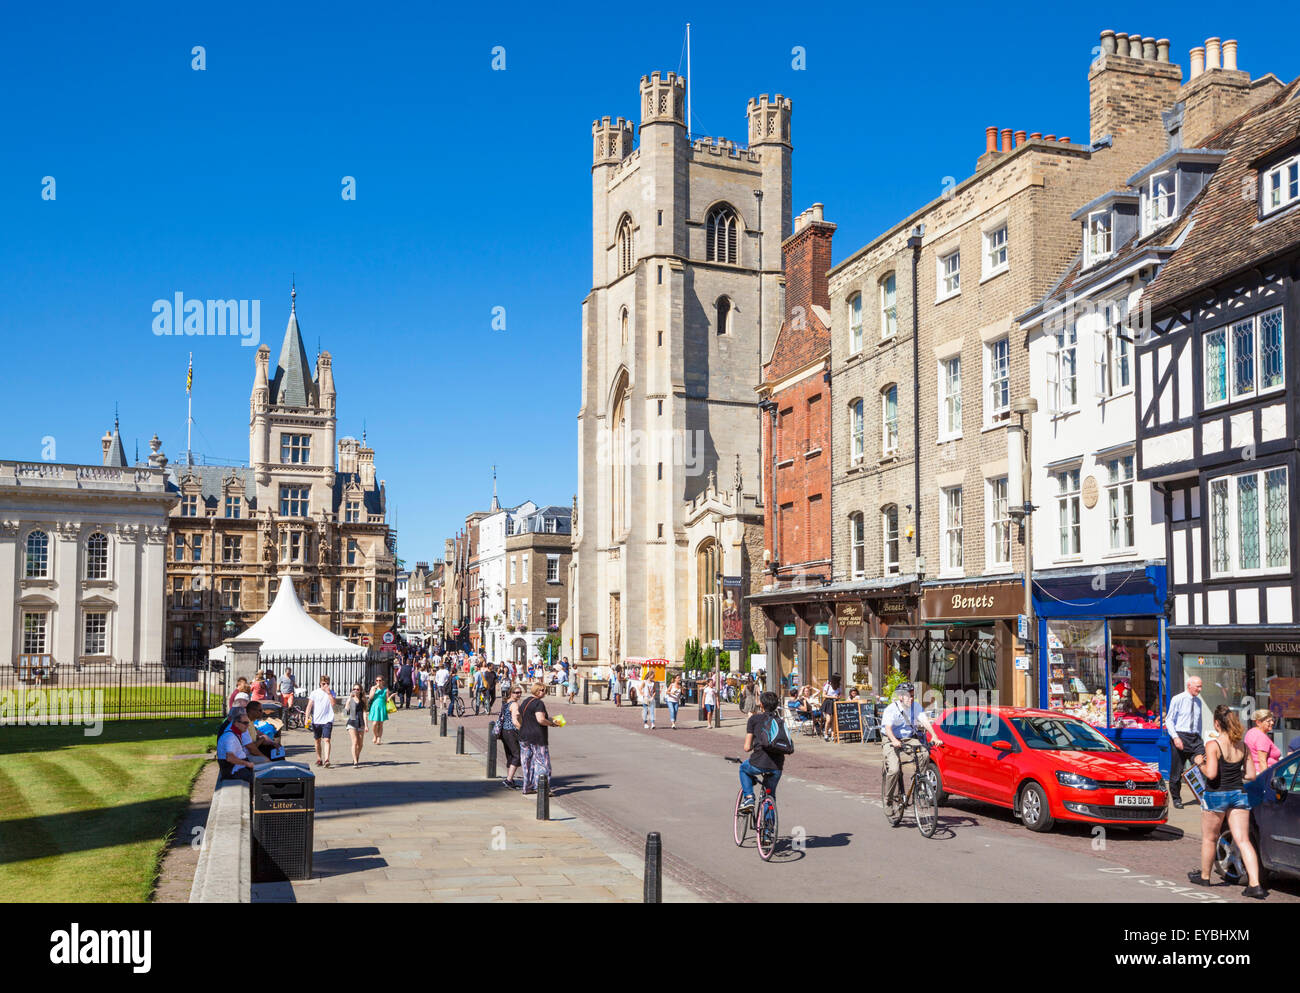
(1021,508)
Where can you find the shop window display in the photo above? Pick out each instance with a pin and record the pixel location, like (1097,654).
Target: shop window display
(1105,673)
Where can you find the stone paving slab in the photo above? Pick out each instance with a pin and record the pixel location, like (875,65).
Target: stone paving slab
(422,824)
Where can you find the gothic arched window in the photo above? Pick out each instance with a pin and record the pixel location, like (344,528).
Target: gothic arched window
(626,250)
(722,229)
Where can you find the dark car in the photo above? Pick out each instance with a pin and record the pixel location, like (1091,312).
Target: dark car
(1274,825)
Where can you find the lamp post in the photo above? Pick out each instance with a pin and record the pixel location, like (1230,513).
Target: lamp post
(1021,508)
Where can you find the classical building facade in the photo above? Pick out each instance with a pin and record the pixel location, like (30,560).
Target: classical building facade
(81,562)
(538,552)
(293,511)
(683,309)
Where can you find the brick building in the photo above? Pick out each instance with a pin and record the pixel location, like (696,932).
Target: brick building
(795,399)
(928,365)
(536,596)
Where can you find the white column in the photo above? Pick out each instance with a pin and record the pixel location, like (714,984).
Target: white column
(126,616)
(65,636)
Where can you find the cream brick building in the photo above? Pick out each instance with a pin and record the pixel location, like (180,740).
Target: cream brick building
(685,302)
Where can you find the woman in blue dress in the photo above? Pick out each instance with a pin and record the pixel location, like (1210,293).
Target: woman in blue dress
(378,709)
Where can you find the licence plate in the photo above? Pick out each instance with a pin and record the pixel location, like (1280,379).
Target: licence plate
(1133,800)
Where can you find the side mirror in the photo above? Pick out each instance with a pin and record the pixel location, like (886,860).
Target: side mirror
(1002,745)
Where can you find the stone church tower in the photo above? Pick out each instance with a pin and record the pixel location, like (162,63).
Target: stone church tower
(684,307)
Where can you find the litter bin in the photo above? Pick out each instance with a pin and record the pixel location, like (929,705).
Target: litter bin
(284,808)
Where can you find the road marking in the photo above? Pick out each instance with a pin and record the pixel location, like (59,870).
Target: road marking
(1187,892)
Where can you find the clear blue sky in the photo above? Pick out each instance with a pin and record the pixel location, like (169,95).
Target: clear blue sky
(473,192)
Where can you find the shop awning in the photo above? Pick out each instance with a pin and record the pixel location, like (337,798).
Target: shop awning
(830,592)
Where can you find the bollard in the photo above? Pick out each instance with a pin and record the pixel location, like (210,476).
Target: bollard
(492,751)
(442,727)
(433,708)
(460,739)
(586,688)
(543,798)
(654,864)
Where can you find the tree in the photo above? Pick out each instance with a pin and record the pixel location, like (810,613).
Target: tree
(751,649)
(552,640)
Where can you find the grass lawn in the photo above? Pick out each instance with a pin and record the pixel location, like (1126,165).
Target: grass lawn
(176,701)
(85,819)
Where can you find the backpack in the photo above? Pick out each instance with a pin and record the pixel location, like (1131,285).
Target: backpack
(772,736)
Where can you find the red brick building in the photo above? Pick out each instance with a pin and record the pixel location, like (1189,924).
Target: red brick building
(795,397)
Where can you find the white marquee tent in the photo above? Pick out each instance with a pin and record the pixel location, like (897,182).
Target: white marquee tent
(287,630)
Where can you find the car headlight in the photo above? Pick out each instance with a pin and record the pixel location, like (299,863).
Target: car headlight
(1075,781)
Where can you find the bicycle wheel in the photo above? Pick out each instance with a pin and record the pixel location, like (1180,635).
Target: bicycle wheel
(460,707)
(767,828)
(741,828)
(893,803)
(925,807)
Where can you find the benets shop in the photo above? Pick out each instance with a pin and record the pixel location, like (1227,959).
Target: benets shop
(969,639)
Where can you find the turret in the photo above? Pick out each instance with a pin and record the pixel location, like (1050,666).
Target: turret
(258,405)
(325,386)
(663,99)
(611,142)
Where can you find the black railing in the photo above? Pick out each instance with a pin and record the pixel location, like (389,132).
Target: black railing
(87,691)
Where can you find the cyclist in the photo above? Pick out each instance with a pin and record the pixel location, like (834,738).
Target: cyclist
(761,761)
(897,725)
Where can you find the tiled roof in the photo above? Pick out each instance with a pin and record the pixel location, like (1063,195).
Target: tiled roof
(1227,235)
(292,384)
(210,479)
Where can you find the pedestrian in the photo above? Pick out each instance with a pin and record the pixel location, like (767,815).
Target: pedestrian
(260,690)
(534,727)
(749,698)
(1228,766)
(508,732)
(673,697)
(440,679)
(616,686)
(378,710)
(1185,725)
(647,694)
(356,713)
(1259,739)
(490,684)
(453,689)
(239,695)
(710,698)
(572,676)
(830,693)
(405,683)
(422,684)
(288,687)
(321,707)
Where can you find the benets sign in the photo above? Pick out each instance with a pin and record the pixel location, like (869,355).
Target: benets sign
(964,602)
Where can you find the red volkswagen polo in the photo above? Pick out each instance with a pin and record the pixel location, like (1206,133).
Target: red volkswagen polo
(1045,766)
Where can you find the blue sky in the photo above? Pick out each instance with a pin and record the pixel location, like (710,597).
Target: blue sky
(472,192)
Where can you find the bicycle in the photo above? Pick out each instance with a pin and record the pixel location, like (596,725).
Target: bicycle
(762,819)
(481,700)
(457,706)
(921,794)
(295,718)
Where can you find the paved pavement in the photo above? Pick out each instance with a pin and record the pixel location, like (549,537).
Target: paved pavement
(418,823)
(612,772)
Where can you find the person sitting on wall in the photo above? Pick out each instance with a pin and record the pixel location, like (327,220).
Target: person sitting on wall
(232,755)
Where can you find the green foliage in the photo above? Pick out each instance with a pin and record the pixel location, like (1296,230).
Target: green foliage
(753,648)
(553,640)
(895,679)
(724,661)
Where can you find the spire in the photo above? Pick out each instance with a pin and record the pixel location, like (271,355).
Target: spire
(292,385)
(114,452)
(496,504)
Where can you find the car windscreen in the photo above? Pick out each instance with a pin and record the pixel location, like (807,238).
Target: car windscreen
(1061,734)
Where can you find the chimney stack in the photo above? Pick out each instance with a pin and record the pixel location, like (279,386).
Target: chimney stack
(1127,92)
(1211,54)
(1230,55)
(1162,50)
(1036,136)
(1050,137)
(807,259)
(1217,92)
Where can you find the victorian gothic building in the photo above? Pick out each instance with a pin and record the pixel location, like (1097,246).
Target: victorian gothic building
(306,507)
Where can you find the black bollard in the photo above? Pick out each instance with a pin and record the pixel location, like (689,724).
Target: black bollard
(433,708)
(543,798)
(586,687)
(460,739)
(654,864)
(442,727)
(492,752)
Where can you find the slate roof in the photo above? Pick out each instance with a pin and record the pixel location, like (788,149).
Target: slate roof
(292,384)
(211,478)
(563,517)
(1227,235)
(116,453)
(372,499)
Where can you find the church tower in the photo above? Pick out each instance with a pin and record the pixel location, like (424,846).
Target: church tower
(684,306)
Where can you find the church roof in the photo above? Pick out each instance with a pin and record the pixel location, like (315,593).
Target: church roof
(292,383)
(116,453)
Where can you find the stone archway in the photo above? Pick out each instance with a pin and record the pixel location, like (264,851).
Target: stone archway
(519,650)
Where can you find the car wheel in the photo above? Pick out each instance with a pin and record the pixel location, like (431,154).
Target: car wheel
(935,780)
(1227,858)
(1035,813)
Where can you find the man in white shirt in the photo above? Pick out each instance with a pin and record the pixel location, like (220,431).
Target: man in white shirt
(1185,724)
(898,723)
(440,679)
(321,707)
(232,756)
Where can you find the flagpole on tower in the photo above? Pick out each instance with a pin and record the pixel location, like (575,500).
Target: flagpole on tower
(189,413)
(688,80)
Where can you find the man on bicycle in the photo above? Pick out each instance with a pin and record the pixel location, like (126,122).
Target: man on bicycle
(898,724)
(761,761)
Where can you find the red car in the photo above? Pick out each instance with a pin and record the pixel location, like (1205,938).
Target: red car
(1045,766)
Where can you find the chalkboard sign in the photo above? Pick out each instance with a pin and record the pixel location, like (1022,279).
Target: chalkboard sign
(847,719)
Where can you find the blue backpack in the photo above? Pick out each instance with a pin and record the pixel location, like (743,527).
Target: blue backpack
(771,735)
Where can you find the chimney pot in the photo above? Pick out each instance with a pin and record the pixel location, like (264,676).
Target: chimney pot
(1149,48)
(1135,44)
(1049,137)
(1121,43)
(1198,61)
(1035,136)
(1020,138)
(1230,55)
(1063,140)
(1006,140)
(1162,50)
(991,139)
(1211,54)
(1108,43)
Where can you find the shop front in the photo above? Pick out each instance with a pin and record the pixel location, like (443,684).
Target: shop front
(969,642)
(1103,654)
(1247,671)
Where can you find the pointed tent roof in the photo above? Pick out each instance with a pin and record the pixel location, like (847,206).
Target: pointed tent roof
(291,385)
(116,453)
(288,630)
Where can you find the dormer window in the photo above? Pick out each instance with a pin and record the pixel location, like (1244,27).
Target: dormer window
(1099,239)
(1159,200)
(1281,185)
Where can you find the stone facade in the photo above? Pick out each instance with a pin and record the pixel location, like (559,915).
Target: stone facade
(294,511)
(81,558)
(684,305)
(537,597)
